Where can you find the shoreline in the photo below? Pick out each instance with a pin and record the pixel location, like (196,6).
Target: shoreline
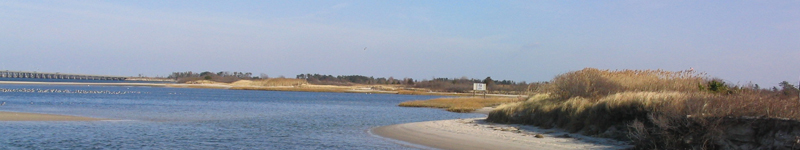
(84,83)
(475,133)
(173,85)
(305,88)
(21,116)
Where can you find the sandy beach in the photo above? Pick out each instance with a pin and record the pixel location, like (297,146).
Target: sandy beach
(18,116)
(474,133)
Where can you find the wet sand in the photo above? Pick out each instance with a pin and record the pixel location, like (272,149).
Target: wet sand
(474,133)
(18,116)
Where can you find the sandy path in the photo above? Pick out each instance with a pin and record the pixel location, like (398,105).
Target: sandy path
(18,116)
(474,133)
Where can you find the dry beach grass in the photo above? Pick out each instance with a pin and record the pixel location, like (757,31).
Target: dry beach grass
(459,104)
(653,108)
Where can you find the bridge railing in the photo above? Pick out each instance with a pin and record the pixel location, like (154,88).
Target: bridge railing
(46,75)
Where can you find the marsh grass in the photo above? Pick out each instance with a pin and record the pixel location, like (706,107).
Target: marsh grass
(594,83)
(293,89)
(653,108)
(271,82)
(418,92)
(459,104)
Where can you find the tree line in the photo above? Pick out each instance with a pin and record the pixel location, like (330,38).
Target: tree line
(222,76)
(351,79)
(461,85)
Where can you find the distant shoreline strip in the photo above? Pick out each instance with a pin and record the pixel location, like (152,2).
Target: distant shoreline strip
(84,83)
(20,116)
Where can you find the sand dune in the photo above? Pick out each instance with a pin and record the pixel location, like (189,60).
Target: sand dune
(474,133)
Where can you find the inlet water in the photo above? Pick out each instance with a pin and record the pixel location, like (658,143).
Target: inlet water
(180,118)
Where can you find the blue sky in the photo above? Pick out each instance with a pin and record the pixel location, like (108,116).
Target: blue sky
(739,41)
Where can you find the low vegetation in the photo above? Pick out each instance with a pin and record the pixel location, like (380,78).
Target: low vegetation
(455,85)
(270,82)
(435,86)
(294,89)
(222,76)
(459,104)
(654,109)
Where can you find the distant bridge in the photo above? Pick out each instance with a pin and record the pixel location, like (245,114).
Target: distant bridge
(45,75)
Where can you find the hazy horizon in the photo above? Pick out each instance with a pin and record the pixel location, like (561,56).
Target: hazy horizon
(739,41)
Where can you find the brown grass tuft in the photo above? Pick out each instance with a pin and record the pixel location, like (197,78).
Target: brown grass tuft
(271,82)
(461,104)
(594,83)
(653,108)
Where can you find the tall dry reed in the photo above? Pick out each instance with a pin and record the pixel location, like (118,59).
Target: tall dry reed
(653,108)
(593,83)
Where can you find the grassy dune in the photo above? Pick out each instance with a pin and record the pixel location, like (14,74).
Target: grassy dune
(416,92)
(270,82)
(460,104)
(295,89)
(652,108)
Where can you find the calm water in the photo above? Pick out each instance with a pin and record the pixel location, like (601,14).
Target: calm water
(71,80)
(176,118)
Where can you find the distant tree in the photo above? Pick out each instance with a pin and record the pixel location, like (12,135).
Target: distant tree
(205,73)
(264,76)
(489,83)
(788,89)
(381,81)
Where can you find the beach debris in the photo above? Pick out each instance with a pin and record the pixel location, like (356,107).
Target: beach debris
(539,136)
(512,129)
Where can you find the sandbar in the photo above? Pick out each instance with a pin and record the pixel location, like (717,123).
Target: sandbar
(19,116)
(475,133)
